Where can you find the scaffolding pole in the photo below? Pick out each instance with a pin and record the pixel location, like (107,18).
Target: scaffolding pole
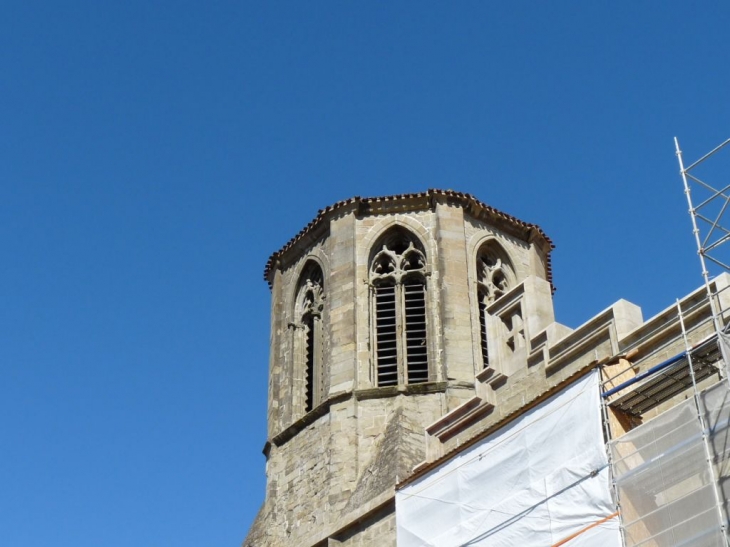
(703,425)
(710,237)
(708,247)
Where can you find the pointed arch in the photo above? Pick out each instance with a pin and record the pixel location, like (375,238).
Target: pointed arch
(397,276)
(495,276)
(309,341)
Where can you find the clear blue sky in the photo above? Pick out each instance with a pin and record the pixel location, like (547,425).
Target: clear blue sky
(153,154)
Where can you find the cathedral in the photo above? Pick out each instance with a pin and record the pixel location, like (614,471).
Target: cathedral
(407,329)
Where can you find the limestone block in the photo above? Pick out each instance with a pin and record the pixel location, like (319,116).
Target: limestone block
(627,317)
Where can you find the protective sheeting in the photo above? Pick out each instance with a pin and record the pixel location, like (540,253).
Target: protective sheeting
(715,405)
(666,486)
(540,481)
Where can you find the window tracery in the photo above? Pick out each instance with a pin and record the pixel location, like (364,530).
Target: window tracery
(310,334)
(494,279)
(398,285)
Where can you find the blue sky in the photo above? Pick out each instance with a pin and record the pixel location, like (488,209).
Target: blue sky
(153,155)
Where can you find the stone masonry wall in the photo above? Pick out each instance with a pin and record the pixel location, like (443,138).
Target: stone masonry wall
(343,460)
(330,473)
(377,531)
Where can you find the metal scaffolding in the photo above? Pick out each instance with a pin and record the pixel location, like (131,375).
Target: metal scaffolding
(671,474)
(667,472)
(708,218)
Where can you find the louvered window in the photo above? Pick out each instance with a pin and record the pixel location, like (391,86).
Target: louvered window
(483,328)
(309,328)
(309,332)
(414,294)
(386,335)
(400,327)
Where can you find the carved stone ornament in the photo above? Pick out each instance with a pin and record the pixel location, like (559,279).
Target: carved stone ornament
(393,265)
(492,277)
(311,299)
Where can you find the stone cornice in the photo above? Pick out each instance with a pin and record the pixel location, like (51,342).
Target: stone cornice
(415,202)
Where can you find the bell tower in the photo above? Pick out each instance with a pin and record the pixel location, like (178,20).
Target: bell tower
(387,313)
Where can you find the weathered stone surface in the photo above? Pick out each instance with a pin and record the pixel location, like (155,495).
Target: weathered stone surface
(332,469)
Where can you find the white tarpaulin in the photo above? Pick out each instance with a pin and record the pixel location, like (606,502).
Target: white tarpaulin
(538,482)
(664,483)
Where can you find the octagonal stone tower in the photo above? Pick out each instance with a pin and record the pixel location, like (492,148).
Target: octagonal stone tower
(387,313)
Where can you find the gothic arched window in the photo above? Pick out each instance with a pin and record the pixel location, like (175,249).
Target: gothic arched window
(398,285)
(309,334)
(494,278)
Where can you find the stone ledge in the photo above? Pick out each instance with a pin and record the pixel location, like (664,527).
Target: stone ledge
(536,357)
(664,327)
(490,376)
(456,414)
(392,391)
(586,344)
(455,421)
(309,418)
(376,393)
(313,415)
(426,387)
(460,384)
